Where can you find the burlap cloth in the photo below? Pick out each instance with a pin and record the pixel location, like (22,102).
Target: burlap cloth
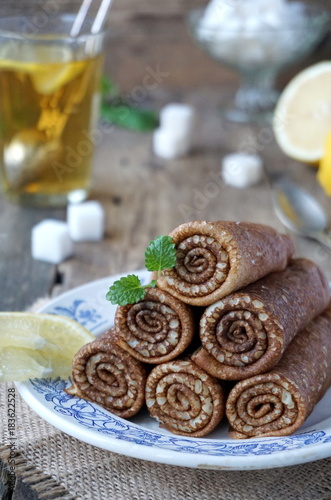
(51,465)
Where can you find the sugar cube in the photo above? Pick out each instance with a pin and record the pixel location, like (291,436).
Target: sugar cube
(50,241)
(178,118)
(86,221)
(169,144)
(242,169)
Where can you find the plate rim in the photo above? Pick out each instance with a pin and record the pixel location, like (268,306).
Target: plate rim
(278,459)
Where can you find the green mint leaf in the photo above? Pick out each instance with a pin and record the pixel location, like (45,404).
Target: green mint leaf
(152,284)
(160,254)
(127,290)
(119,113)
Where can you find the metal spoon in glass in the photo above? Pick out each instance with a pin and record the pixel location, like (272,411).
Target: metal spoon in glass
(299,211)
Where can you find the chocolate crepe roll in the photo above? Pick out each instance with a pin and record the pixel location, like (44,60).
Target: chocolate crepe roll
(184,398)
(278,402)
(247,332)
(216,258)
(104,373)
(156,329)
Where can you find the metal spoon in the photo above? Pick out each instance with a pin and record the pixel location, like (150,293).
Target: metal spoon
(299,211)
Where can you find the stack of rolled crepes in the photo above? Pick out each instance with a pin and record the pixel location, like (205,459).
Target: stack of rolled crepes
(256,303)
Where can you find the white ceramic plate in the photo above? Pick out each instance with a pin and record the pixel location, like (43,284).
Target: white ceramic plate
(141,437)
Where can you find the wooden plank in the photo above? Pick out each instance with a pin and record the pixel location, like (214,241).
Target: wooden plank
(128,9)
(23,279)
(149,38)
(165,44)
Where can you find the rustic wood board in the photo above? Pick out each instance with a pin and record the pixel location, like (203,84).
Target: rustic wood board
(22,279)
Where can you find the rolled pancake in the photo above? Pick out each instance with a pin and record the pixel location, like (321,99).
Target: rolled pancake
(184,398)
(278,402)
(156,329)
(247,332)
(217,258)
(104,373)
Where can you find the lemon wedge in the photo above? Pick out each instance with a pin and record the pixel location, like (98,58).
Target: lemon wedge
(38,345)
(302,118)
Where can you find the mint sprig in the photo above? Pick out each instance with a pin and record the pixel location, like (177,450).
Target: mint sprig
(117,110)
(159,255)
(120,113)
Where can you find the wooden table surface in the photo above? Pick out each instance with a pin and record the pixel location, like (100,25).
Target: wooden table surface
(144,196)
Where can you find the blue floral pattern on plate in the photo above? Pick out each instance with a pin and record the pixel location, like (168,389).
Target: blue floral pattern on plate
(79,313)
(90,416)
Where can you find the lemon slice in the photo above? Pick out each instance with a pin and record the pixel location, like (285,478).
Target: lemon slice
(54,67)
(324,171)
(50,67)
(48,78)
(302,118)
(37,345)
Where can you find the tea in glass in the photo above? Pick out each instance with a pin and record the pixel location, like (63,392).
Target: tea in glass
(49,104)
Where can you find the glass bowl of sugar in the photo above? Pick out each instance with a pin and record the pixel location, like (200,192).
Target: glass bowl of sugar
(257,39)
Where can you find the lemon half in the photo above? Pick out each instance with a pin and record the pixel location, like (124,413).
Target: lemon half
(302,118)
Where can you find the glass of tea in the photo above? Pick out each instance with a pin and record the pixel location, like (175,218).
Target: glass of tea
(49,102)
